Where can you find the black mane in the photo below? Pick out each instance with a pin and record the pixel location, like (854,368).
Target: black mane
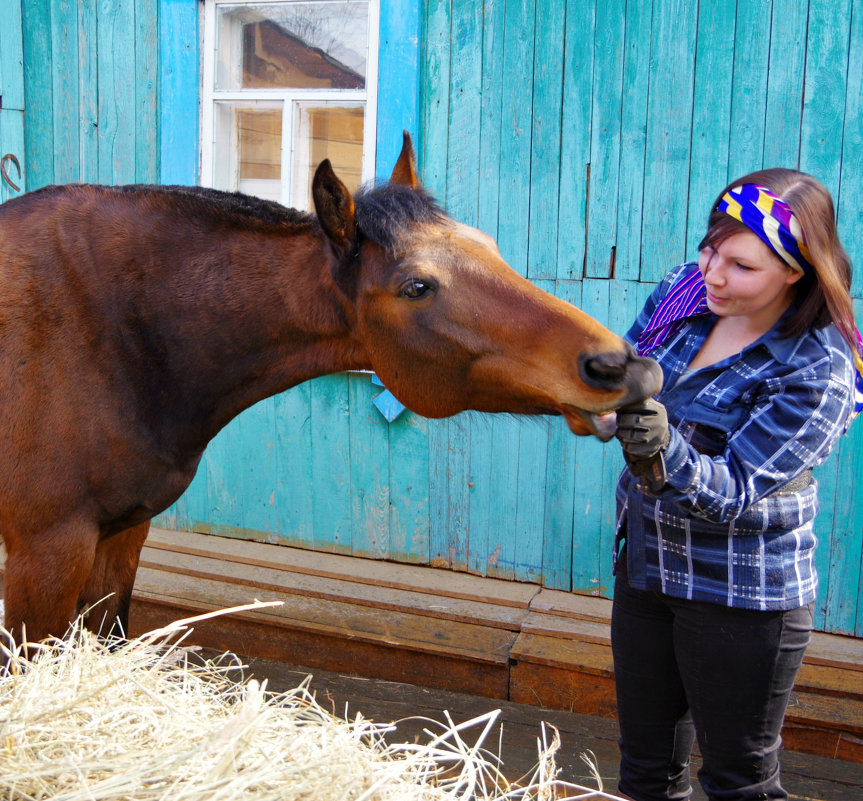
(231,203)
(385,212)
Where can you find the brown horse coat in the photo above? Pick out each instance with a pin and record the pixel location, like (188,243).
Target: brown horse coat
(135,322)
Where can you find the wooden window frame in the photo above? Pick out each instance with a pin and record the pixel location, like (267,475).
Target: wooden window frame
(289,98)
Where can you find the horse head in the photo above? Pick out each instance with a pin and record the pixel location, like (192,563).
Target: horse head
(448,325)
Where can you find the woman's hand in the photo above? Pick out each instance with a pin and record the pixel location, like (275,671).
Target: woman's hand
(643,433)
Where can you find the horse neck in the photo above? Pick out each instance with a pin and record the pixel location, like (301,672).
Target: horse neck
(266,315)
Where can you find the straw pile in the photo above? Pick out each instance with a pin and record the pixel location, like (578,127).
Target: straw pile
(142,721)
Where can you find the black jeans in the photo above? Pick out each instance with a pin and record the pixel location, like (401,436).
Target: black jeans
(686,669)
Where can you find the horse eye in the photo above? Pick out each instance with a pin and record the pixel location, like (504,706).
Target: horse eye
(416,288)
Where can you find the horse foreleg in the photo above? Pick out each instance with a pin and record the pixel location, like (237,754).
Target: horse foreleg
(45,573)
(107,592)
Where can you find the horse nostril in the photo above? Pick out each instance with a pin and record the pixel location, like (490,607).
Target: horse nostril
(603,370)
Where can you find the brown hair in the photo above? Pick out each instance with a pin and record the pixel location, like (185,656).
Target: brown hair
(825,296)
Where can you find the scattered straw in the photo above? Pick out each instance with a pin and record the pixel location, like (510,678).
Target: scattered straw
(141,721)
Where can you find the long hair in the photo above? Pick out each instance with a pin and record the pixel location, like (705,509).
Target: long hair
(825,296)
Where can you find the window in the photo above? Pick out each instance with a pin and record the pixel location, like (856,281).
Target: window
(288,83)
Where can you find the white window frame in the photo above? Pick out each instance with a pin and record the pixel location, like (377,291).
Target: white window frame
(289,97)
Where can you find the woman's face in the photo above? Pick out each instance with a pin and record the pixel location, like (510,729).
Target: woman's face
(744,278)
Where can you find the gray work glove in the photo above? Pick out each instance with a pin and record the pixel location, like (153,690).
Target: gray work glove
(643,433)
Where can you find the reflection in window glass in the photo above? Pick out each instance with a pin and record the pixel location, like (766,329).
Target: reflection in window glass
(298,45)
(327,132)
(249,148)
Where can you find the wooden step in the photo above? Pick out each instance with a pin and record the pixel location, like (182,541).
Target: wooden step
(441,629)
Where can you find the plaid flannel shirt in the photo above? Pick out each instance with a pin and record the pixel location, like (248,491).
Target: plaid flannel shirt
(723,530)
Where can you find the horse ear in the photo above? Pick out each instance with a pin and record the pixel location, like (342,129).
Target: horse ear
(334,207)
(405,171)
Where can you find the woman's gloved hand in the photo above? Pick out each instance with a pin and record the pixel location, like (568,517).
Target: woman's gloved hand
(643,433)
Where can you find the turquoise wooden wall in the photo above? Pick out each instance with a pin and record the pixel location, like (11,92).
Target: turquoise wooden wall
(11,99)
(588,136)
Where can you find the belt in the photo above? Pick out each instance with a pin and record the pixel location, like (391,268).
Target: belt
(796,484)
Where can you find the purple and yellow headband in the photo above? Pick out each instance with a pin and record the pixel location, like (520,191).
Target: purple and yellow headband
(772,220)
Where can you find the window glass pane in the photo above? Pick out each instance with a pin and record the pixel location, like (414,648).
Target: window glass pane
(297,45)
(248,148)
(327,132)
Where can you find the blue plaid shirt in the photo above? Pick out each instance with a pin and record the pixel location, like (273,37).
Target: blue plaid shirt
(723,530)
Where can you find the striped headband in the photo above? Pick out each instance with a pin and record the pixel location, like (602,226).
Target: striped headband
(772,220)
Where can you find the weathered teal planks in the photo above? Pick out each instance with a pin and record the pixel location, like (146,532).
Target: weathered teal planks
(633,130)
(546,139)
(785,80)
(669,116)
(179,78)
(38,92)
(90,87)
(397,99)
(849,209)
(712,138)
(12,98)
(605,123)
(575,140)
(749,87)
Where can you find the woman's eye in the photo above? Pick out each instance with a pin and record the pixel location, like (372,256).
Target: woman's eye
(415,288)
(744,267)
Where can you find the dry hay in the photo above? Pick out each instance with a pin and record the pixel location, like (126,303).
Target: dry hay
(141,721)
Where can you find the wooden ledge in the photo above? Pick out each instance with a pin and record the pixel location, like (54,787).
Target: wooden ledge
(441,629)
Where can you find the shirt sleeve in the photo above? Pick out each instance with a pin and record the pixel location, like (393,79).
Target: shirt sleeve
(794,422)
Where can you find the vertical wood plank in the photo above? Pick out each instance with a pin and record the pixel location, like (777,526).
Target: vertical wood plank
(409,496)
(434,89)
(545,139)
(462,168)
(178,91)
(39,97)
(116,71)
(484,547)
(490,116)
(711,116)
(749,92)
(605,139)
(398,80)
(785,83)
(825,91)
(291,499)
(12,57)
(669,117)
(88,92)
(370,488)
(528,525)
(146,33)
(449,490)
(12,94)
(515,133)
(12,141)
(849,209)
(64,49)
(330,430)
(633,134)
(575,138)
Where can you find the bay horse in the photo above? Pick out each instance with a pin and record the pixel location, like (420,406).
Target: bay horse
(137,321)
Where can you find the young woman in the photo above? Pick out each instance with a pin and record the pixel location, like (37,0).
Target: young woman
(716,581)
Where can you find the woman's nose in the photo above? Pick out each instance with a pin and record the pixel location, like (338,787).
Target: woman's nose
(714,273)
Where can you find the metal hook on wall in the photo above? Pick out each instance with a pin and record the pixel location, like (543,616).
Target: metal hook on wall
(14,159)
